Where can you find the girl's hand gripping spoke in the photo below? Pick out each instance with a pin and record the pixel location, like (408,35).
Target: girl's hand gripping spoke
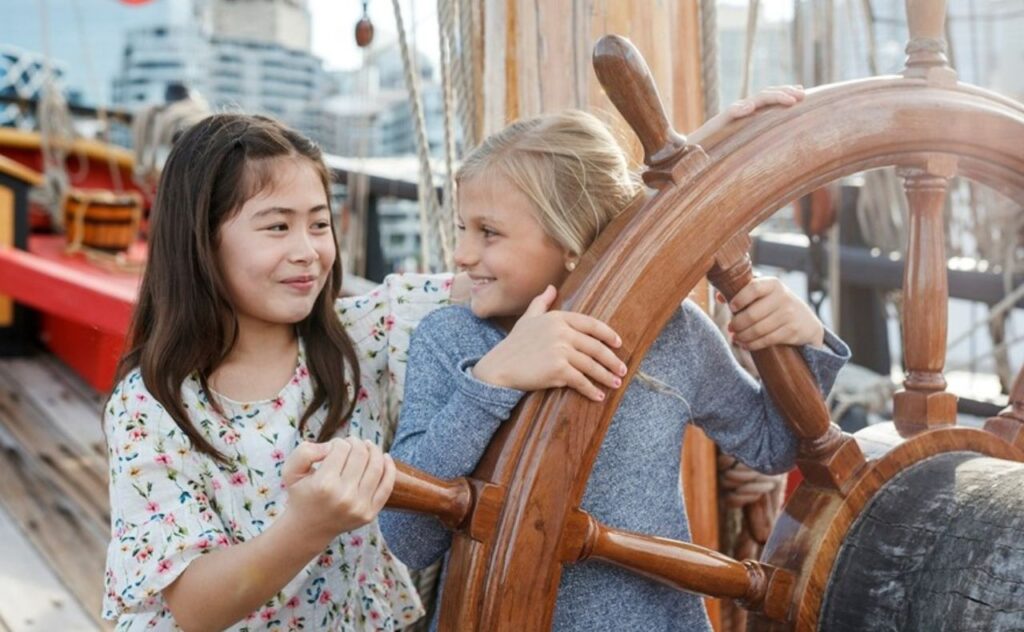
(553,350)
(767,313)
(347,490)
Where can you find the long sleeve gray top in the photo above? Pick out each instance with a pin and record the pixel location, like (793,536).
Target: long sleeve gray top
(689,375)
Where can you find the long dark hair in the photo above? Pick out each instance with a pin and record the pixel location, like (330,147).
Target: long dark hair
(184,321)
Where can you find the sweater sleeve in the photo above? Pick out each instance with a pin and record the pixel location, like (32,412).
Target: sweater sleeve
(447,420)
(734,408)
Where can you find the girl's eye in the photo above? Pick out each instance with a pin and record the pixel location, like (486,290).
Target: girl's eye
(488,233)
(322,225)
(278,227)
(460,227)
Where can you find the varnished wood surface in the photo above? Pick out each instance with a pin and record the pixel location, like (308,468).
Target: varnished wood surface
(765,161)
(1009,424)
(923,402)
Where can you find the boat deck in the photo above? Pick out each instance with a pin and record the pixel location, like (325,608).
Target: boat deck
(54,511)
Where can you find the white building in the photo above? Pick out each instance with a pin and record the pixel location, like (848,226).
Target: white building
(232,66)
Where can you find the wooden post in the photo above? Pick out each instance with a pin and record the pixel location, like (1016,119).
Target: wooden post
(1009,424)
(680,565)
(926,21)
(924,403)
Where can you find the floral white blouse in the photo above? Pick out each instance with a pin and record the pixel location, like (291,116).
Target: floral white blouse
(171,504)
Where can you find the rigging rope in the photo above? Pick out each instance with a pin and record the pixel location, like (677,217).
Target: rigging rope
(429,206)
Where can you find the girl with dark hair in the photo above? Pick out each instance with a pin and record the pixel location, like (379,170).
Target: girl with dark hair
(243,370)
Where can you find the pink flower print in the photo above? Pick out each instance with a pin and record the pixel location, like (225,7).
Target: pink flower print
(447,284)
(144,554)
(293,602)
(169,519)
(163,459)
(303,371)
(138,434)
(268,614)
(203,544)
(361,579)
(277,455)
(152,507)
(325,597)
(389,322)
(231,437)
(163,566)
(374,616)
(222,540)
(140,397)
(278,403)
(356,541)
(325,561)
(238,479)
(216,485)
(363,394)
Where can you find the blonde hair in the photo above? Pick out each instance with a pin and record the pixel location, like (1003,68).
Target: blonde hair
(568,165)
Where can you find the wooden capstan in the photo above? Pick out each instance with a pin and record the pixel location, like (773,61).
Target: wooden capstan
(517,520)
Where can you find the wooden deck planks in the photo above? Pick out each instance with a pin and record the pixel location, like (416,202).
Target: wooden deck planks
(53,485)
(32,598)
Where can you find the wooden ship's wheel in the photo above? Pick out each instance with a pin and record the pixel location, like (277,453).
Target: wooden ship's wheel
(913,524)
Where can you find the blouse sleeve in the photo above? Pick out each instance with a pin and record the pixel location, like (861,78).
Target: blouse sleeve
(160,511)
(380,324)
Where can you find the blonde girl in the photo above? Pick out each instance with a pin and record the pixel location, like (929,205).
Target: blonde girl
(532,199)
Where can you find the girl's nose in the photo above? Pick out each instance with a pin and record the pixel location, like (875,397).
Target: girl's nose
(304,249)
(465,255)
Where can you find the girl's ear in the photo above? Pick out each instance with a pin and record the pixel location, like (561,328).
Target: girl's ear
(571,259)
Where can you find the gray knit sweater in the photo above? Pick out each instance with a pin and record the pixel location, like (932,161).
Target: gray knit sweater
(448,419)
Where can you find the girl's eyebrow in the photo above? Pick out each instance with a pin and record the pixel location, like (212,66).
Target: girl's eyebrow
(486,219)
(284,210)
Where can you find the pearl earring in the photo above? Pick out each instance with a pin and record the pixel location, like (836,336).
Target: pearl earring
(570,265)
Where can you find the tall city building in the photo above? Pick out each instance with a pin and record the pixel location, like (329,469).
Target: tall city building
(250,55)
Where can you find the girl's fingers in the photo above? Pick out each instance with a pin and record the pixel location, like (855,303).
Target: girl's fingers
(373,471)
(594,371)
(333,464)
(300,461)
(797,92)
(761,329)
(771,97)
(386,484)
(355,465)
(751,316)
(750,293)
(600,353)
(778,336)
(594,328)
(579,383)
